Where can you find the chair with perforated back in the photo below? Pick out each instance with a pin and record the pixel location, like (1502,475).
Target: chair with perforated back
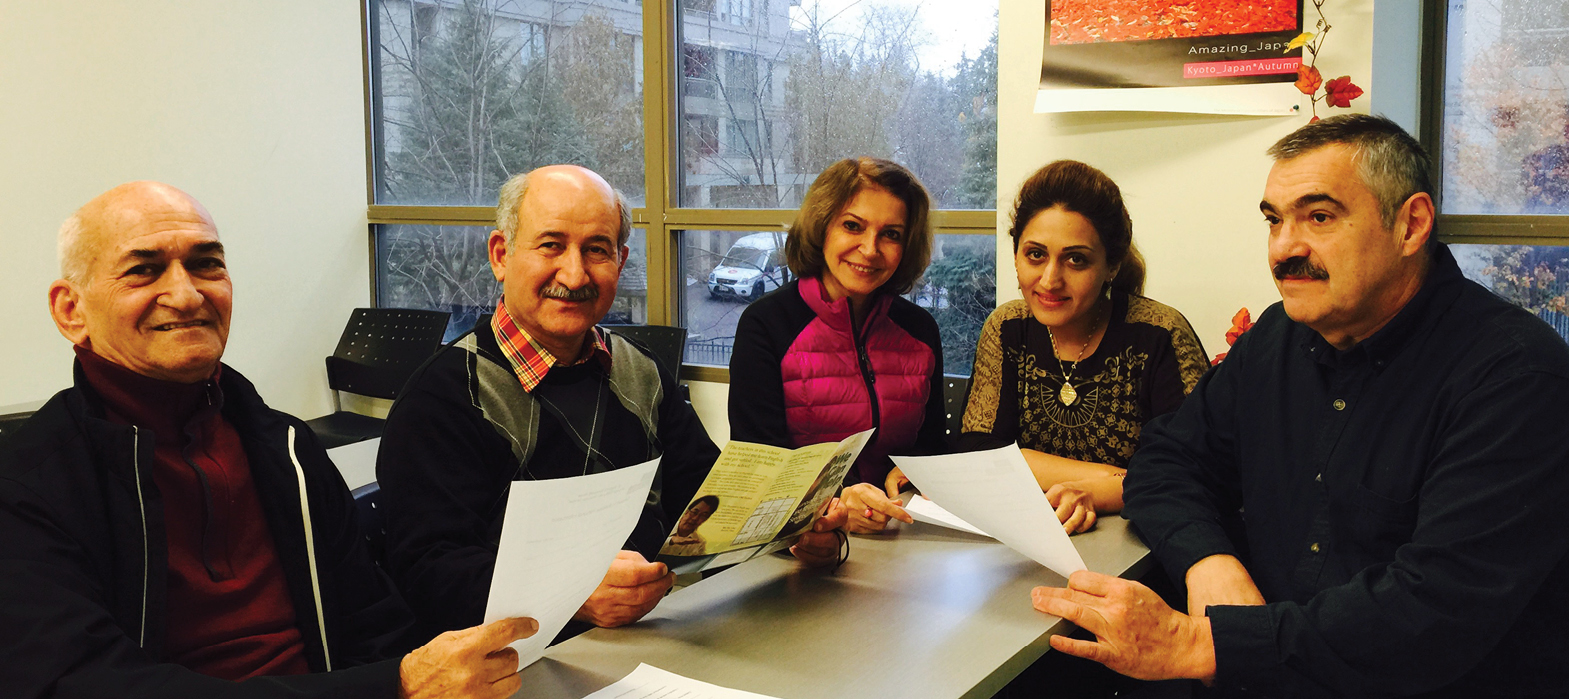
(379,350)
(955,390)
(667,343)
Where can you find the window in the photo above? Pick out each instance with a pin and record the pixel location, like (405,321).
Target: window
(1534,277)
(469,93)
(447,268)
(533,38)
(1506,108)
(1502,125)
(763,95)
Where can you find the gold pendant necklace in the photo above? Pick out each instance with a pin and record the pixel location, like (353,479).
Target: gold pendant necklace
(1068,395)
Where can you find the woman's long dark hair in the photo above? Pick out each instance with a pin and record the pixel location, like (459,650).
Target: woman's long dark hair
(1087,192)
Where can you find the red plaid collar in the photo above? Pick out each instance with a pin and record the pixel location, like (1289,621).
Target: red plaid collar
(530,361)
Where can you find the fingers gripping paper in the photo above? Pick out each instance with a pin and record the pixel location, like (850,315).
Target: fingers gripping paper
(994,491)
(558,539)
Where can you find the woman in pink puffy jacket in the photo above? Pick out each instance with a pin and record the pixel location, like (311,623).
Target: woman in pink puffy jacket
(838,350)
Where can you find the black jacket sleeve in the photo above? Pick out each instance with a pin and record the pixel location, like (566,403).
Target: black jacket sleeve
(1183,480)
(757,404)
(368,619)
(444,475)
(687,452)
(933,436)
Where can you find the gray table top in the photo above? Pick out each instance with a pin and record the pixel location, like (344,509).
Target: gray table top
(920,611)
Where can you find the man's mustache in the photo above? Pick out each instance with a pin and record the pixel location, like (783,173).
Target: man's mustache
(587,292)
(1300,267)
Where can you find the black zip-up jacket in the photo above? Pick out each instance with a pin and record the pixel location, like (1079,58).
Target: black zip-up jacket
(83,560)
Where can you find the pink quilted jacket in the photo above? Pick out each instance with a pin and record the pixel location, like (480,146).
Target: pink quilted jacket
(827,381)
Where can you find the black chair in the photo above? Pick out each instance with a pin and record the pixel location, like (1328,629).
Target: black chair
(368,516)
(667,343)
(9,423)
(379,350)
(955,390)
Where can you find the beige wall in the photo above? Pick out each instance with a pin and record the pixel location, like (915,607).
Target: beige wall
(256,108)
(1192,182)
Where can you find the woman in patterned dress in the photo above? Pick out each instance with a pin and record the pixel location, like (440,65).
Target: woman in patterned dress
(1075,369)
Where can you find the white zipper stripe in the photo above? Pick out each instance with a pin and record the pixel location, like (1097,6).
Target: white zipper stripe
(136,470)
(310,551)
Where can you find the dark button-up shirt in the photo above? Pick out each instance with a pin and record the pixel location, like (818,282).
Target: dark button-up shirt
(1402,500)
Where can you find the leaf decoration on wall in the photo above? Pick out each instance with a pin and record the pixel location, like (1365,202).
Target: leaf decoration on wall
(1308,79)
(1340,91)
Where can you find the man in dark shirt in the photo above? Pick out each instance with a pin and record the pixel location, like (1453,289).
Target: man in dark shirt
(536,391)
(1390,440)
(163,533)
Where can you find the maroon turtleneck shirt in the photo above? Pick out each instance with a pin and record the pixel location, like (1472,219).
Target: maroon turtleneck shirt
(229,615)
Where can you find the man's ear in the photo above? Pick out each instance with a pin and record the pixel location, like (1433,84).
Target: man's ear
(626,254)
(497,249)
(65,307)
(1418,215)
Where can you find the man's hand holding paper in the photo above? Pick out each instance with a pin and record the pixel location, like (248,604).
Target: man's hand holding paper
(558,538)
(631,589)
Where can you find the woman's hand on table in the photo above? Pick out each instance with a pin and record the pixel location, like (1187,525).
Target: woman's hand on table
(869,509)
(1075,507)
(894,483)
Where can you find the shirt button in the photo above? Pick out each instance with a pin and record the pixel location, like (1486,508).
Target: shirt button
(1339,404)
(1313,547)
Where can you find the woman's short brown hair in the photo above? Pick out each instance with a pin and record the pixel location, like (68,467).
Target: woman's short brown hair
(833,190)
(1088,192)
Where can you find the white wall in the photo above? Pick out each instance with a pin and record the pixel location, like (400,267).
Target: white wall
(255,108)
(1192,182)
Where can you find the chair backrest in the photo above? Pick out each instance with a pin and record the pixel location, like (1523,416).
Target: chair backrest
(381,348)
(9,423)
(666,342)
(955,390)
(368,516)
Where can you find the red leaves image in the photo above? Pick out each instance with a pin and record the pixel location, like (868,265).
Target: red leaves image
(1340,91)
(1240,323)
(1093,21)
(1308,79)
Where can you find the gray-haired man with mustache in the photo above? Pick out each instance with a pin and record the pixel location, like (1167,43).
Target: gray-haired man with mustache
(535,391)
(1388,445)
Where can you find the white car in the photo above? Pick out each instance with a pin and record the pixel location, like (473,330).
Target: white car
(753,266)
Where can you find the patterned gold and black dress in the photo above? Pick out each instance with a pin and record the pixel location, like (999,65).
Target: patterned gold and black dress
(1147,362)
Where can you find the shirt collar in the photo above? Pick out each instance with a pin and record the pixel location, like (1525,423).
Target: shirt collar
(168,408)
(530,360)
(1436,291)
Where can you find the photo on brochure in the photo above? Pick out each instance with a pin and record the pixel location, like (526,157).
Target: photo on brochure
(757,500)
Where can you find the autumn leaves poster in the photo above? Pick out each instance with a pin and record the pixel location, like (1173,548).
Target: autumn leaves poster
(1092,46)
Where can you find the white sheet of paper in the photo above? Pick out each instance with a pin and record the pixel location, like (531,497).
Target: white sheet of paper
(995,491)
(557,541)
(923,509)
(649,682)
